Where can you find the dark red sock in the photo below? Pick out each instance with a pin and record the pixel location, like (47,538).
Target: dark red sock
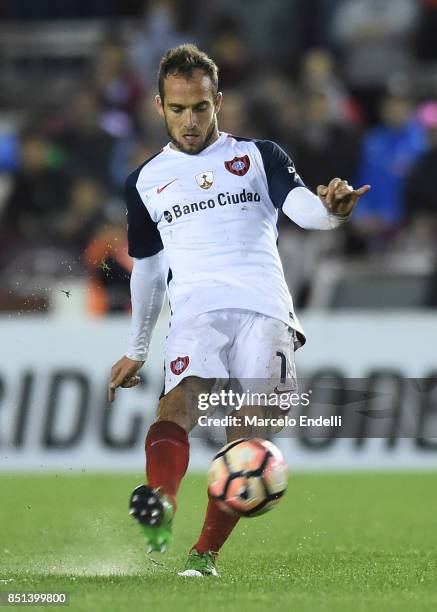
(167,455)
(216,529)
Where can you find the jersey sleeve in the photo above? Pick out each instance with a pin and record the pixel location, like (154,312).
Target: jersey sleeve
(280,171)
(143,237)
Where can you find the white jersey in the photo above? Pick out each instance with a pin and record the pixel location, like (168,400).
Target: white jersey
(215,215)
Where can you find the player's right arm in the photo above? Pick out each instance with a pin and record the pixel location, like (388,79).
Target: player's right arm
(147,287)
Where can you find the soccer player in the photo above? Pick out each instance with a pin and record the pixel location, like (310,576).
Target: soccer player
(202,219)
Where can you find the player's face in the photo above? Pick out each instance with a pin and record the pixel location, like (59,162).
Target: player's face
(189,110)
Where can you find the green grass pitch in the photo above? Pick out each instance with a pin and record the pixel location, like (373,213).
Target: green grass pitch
(340,542)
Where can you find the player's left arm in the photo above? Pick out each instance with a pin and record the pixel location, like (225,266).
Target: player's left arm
(330,208)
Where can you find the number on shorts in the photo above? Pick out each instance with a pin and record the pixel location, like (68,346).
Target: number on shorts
(283,366)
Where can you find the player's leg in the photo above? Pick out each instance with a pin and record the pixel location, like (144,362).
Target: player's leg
(167,446)
(217,527)
(188,373)
(261,357)
(167,455)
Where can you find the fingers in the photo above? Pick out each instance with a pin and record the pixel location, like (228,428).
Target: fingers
(336,190)
(322,190)
(344,199)
(111,392)
(332,187)
(123,374)
(133,381)
(339,197)
(116,380)
(362,190)
(121,378)
(347,197)
(126,383)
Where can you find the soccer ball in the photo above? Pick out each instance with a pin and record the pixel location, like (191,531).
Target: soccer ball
(247,477)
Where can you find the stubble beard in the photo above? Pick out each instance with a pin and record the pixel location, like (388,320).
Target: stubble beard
(206,141)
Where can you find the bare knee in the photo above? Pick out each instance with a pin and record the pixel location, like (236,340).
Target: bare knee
(172,407)
(180,404)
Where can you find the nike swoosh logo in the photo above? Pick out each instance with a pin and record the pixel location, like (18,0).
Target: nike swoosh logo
(159,189)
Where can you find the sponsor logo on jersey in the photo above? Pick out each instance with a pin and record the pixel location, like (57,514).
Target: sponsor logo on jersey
(179,365)
(205,179)
(222,199)
(160,189)
(238,165)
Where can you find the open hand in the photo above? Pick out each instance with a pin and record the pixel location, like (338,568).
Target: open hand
(339,197)
(123,374)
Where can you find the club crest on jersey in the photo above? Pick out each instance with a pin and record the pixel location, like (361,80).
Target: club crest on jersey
(179,365)
(238,165)
(205,179)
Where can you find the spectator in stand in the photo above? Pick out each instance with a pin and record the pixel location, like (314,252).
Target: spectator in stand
(38,192)
(87,145)
(108,268)
(425,35)
(8,149)
(147,137)
(311,18)
(118,89)
(231,53)
(233,115)
(158,31)
(273,108)
(318,73)
(421,188)
(372,38)
(289,116)
(388,153)
(271,28)
(85,213)
(325,147)
(128,155)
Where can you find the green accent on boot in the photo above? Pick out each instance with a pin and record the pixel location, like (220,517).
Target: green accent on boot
(200,564)
(159,537)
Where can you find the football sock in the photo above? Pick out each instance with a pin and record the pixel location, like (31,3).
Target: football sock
(167,455)
(216,529)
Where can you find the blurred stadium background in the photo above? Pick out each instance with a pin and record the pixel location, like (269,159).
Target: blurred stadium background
(349,89)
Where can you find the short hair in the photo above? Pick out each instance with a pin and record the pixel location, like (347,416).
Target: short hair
(182,61)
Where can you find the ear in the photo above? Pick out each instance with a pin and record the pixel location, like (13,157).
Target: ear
(159,105)
(218,102)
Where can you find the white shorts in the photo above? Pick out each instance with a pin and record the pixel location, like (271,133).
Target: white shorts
(231,344)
